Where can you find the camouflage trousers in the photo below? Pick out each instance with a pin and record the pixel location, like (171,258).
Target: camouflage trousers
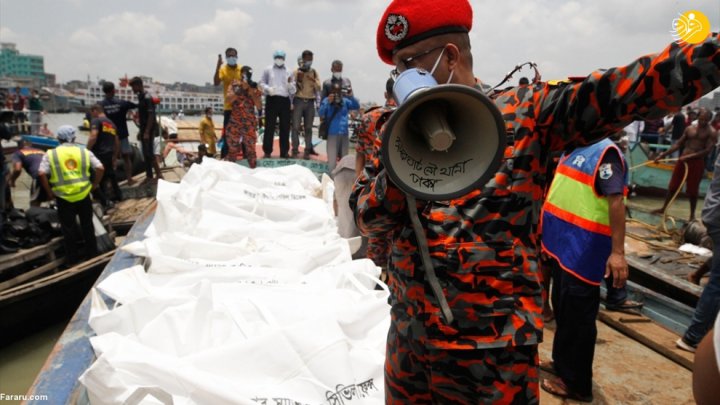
(415,374)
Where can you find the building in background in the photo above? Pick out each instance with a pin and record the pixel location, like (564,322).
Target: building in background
(23,69)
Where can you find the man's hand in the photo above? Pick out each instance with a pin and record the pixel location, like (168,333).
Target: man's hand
(617,266)
(331,98)
(219,61)
(300,75)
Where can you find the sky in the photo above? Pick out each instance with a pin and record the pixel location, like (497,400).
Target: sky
(178,41)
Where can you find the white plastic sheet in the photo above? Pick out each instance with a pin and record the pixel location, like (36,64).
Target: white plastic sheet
(250,297)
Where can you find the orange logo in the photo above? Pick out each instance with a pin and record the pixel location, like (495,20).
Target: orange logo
(71,164)
(691,26)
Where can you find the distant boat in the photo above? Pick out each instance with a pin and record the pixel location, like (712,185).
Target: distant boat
(653,178)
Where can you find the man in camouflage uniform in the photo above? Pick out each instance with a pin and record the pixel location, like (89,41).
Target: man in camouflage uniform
(482,244)
(378,248)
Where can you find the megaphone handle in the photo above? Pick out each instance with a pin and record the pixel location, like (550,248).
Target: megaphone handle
(427,262)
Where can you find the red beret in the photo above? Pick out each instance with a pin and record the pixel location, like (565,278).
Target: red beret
(406,22)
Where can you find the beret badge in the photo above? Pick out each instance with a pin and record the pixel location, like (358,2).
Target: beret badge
(396,27)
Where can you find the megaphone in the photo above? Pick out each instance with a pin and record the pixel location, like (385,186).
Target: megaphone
(443,141)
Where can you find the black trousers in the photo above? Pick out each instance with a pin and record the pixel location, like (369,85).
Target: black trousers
(576,305)
(109,175)
(68,212)
(148,155)
(277,107)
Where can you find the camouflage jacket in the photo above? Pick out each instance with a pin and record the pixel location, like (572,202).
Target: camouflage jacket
(484,245)
(367,132)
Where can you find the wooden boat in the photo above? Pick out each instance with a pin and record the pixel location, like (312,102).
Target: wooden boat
(653,178)
(29,306)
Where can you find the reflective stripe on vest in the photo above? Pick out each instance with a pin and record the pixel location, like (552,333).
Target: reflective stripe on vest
(575,219)
(70,181)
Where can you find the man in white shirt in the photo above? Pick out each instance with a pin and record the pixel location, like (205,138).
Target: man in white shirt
(278,84)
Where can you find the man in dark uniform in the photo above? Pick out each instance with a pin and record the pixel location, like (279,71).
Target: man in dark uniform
(148,128)
(104,142)
(116,111)
(28,158)
(483,245)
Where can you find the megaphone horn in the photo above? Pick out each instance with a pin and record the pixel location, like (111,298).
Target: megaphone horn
(444,140)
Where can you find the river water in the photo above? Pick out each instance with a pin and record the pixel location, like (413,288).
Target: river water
(21,361)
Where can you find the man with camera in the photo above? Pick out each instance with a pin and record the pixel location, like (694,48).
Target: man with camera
(334,110)
(278,84)
(337,79)
(308,87)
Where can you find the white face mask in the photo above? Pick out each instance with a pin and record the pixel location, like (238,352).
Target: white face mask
(279,62)
(437,63)
(337,75)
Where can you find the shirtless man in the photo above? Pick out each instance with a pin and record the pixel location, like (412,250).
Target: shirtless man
(697,141)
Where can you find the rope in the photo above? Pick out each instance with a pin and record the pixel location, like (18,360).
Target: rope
(663,225)
(647,162)
(677,192)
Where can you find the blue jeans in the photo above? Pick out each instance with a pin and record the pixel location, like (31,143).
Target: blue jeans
(709,303)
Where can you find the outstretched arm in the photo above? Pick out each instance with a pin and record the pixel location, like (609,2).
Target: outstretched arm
(586,110)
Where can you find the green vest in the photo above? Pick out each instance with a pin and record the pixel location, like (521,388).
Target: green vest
(70,172)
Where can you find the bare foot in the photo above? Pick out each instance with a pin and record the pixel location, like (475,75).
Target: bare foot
(693,278)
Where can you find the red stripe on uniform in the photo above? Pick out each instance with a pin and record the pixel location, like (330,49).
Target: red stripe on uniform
(576,220)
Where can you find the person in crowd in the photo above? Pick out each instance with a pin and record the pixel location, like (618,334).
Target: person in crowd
(377,248)
(483,305)
(708,305)
(18,105)
(706,368)
(36,108)
(116,110)
(696,143)
(207,131)
(308,89)
(278,85)
(104,143)
(241,133)
(148,128)
(225,74)
(336,79)
(676,130)
(584,238)
(45,131)
(64,173)
(370,124)
(28,158)
(335,108)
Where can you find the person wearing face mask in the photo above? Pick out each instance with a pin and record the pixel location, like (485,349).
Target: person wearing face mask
(278,85)
(308,87)
(207,131)
(226,73)
(465,287)
(337,79)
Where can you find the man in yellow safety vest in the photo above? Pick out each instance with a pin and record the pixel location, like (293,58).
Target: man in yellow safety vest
(70,183)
